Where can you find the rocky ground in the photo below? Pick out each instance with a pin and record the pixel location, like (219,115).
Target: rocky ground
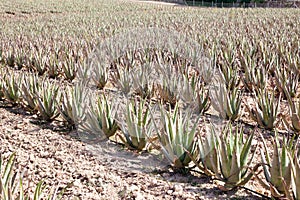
(102,171)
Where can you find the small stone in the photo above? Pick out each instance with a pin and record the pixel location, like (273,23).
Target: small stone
(176,194)
(178,188)
(169,192)
(138,196)
(44,154)
(31,157)
(77,183)
(134,188)
(154,182)
(99,189)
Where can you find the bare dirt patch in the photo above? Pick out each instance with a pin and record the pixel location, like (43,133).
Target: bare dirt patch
(110,172)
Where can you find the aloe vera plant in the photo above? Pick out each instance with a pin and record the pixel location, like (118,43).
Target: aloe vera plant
(166,92)
(10,57)
(260,39)
(168,87)
(1,92)
(20,58)
(75,110)
(194,94)
(295,175)
(100,73)
(30,87)
(123,81)
(226,102)
(254,77)
(294,113)
(228,69)
(70,107)
(266,109)
(47,99)
(207,67)
(142,83)
(138,127)
(234,157)
(1,55)
(202,100)
(1,85)
(207,158)
(278,171)
(38,61)
(231,79)
(287,81)
(7,183)
(69,69)
(11,87)
(226,156)
(177,136)
(53,66)
(100,120)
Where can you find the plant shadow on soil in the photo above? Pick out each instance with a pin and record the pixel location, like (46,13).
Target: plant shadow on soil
(131,162)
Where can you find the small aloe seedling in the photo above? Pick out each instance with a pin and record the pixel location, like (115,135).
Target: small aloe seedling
(266,109)
(177,136)
(138,127)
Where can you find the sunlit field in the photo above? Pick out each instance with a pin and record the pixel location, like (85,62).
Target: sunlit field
(211,92)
